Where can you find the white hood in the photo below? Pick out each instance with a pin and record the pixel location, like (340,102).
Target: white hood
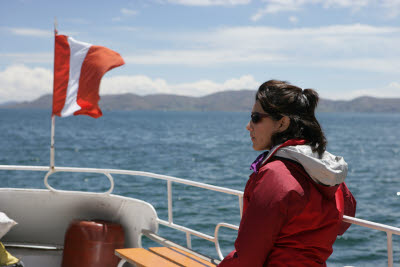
(329,170)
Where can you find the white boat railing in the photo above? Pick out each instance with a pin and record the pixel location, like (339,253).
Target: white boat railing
(390,230)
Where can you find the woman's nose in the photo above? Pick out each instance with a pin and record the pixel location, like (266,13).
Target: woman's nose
(248,126)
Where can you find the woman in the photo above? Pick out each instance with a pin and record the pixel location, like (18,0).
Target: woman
(296,197)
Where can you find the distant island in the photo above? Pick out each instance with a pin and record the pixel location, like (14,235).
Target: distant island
(222,101)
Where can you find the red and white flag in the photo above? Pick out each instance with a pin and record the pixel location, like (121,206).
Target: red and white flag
(78,69)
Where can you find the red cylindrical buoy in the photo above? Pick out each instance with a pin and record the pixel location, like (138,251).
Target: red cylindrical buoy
(92,243)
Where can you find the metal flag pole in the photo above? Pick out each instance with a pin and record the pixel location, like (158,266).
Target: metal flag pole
(53,122)
(53,118)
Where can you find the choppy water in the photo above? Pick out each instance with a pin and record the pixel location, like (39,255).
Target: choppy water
(210,147)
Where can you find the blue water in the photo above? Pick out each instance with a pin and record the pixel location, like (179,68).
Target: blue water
(210,147)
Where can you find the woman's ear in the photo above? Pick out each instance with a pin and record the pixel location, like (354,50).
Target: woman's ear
(283,124)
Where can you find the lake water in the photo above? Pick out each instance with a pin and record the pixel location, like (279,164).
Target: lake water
(209,147)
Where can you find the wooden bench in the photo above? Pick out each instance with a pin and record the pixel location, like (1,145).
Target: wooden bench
(160,256)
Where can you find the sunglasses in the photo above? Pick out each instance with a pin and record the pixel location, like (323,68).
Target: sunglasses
(256,117)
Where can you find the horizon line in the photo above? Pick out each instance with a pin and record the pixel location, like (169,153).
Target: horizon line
(170,94)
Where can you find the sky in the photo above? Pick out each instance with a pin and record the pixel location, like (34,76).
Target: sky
(341,48)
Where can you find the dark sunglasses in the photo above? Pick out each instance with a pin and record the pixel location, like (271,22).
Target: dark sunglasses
(256,117)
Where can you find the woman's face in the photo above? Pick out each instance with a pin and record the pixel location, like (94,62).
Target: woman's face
(262,131)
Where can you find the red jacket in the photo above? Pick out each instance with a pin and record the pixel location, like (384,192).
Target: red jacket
(289,217)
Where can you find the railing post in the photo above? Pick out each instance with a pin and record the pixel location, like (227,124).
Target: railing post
(169,187)
(188,240)
(390,249)
(241,206)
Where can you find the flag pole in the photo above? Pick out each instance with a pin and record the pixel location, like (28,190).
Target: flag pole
(53,118)
(53,122)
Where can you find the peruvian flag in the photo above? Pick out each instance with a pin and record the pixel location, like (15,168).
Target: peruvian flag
(78,69)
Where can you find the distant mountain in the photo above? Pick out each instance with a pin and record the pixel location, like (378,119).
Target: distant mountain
(361,104)
(223,101)
(43,102)
(9,103)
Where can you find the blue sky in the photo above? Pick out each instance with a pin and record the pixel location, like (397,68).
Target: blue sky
(341,48)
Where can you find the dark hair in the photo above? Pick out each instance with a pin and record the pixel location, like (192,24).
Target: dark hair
(280,98)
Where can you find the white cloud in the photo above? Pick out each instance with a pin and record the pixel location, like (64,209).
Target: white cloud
(293,19)
(200,58)
(353,4)
(78,20)
(137,84)
(355,46)
(31,32)
(395,85)
(209,2)
(364,64)
(126,28)
(391,7)
(391,3)
(34,32)
(24,58)
(359,48)
(125,13)
(144,85)
(21,83)
(391,90)
(201,88)
(128,12)
(276,6)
